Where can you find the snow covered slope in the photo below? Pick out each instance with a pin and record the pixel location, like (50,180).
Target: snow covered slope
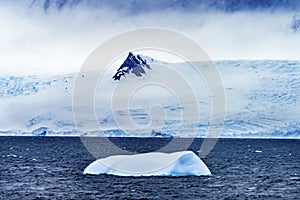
(262,100)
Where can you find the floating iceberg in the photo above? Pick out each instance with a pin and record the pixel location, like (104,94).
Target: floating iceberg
(184,163)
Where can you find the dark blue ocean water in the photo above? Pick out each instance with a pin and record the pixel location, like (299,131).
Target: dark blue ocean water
(51,168)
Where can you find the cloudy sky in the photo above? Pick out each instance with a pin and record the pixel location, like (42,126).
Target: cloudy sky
(56,36)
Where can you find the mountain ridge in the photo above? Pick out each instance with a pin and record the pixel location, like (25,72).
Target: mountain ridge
(135,64)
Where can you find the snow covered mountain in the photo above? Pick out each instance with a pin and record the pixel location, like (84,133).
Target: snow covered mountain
(262,100)
(134,64)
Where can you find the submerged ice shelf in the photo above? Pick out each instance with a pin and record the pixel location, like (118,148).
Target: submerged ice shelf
(184,163)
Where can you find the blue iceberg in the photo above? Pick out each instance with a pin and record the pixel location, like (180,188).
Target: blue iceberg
(184,163)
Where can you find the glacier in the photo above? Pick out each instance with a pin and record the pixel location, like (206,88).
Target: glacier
(262,100)
(184,163)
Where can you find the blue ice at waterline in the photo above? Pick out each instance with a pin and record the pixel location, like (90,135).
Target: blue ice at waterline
(184,163)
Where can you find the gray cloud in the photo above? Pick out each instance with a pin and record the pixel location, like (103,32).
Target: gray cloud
(54,40)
